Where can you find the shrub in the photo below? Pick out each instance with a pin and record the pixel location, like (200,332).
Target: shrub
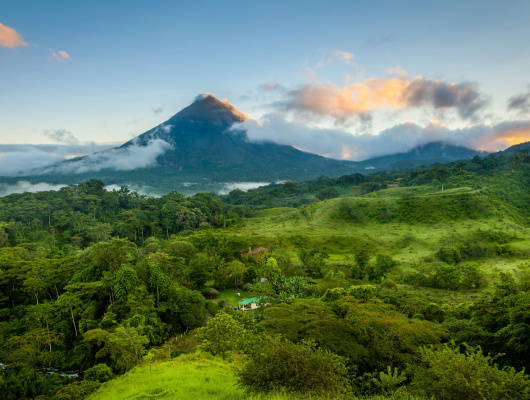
(447,277)
(101,373)
(327,193)
(210,293)
(301,369)
(447,374)
(77,390)
(363,292)
(334,294)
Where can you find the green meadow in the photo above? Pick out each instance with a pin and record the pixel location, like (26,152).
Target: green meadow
(196,376)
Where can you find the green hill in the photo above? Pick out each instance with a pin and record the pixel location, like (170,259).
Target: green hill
(195,376)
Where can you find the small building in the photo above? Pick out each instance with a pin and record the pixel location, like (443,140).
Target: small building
(256,253)
(248,304)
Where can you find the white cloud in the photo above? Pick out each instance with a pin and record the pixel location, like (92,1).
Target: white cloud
(25,186)
(119,159)
(340,144)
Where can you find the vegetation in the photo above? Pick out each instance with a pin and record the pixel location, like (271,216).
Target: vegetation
(385,286)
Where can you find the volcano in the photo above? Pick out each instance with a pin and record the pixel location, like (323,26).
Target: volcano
(205,135)
(202,147)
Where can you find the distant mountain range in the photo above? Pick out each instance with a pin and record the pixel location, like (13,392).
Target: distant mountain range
(426,154)
(199,149)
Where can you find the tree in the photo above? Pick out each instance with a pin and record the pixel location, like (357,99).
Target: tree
(362,258)
(441,173)
(182,249)
(327,193)
(32,347)
(158,281)
(125,346)
(237,270)
(271,271)
(125,282)
(383,264)
(448,374)
(363,267)
(223,335)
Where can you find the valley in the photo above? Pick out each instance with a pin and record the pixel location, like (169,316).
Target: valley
(356,276)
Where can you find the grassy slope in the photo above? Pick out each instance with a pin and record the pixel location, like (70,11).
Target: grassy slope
(453,213)
(194,376)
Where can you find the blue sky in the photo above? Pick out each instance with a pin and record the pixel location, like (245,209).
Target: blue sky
(335,77)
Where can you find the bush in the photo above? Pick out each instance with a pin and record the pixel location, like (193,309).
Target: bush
(334,294)
(101,373)
(210,293)
(363,292)
(447,374)
(327,193)
(77,390)
(297,369)
(447,277)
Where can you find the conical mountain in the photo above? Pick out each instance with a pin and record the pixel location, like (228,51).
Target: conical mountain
(199,133)
(203,135)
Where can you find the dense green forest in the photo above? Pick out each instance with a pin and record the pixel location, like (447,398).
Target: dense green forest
(408,284)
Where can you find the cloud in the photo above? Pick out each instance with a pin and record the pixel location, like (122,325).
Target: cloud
(21,159)
(270,87)
(464,97)
(158,110)
(118,159)
(339,144)
(10,38)
(25,186)
(520,103)
(344,56)
(358,99)
(21,162)
(60,55)
(341,55)
(165,128)
(61,136)
(244,186)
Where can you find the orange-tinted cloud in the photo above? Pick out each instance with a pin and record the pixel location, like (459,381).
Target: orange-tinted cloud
(10,38)
(503,135)
(344,56)
(360,98)
(60,55)
(64,54)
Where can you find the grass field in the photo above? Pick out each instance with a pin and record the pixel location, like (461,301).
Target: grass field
(194,376)
(449,217)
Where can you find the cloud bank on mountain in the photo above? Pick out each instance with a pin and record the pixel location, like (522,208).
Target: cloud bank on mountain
(340,144)
(19,160)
